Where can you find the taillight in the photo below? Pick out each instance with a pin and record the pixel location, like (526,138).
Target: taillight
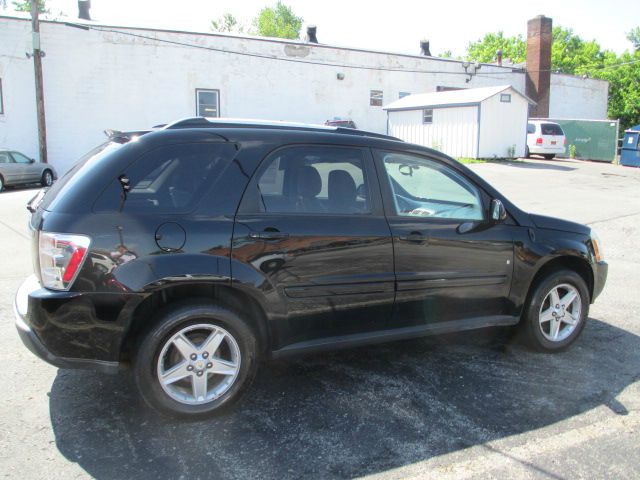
(61,257)
(539,141)
(565,141)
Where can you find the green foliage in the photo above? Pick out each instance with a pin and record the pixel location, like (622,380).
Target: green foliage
(25,6)
(484,50)
(226,23)
(634,37)
(572,151)
(279,21)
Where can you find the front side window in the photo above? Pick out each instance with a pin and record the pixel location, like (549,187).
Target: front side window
(375,98)
(427,115)
(168,179)
(425,188)
(310,180)
(207,103)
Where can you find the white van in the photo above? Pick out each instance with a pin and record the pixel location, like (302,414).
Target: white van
(545,138)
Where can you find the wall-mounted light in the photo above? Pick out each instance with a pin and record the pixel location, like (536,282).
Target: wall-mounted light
(340,76)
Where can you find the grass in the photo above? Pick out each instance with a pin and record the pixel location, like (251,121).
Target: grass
(471,160)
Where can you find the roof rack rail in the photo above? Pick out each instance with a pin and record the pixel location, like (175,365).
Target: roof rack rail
(201,122)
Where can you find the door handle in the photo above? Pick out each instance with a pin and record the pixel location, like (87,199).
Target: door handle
(414,237)
(268,235)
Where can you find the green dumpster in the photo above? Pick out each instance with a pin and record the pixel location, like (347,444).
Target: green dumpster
(593,139)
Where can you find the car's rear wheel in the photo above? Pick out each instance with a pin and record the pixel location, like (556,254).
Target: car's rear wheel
(557,311)
(47,178)
(526,152)
(199,358)
(549,156)
(1,183)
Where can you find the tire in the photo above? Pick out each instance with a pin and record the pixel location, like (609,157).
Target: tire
(47,178)
(158,355)
(526,152)
(549,156)
(1,183)
(538,320)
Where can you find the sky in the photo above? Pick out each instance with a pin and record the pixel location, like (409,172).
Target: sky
(395,26)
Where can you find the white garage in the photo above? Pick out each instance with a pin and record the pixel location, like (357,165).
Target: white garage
(473,123)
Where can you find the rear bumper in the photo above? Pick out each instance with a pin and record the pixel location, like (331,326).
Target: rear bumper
(547,150)
(26,297)
(599,278)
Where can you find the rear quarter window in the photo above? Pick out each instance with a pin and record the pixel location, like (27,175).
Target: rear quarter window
(171,179)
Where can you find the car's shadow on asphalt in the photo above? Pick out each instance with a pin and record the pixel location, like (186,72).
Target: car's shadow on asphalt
(347,413)
(532,164)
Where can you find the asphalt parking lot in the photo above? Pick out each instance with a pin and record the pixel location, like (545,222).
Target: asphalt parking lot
(473,405)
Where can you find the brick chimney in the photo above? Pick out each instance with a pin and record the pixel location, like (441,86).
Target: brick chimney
(539,38)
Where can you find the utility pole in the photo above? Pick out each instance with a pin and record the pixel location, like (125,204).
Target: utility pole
(37,69)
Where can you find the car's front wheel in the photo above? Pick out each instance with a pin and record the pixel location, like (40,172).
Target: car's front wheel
(47,178)
(557,311)
(199,358)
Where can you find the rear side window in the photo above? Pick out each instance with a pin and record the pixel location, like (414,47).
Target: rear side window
(310,180)
(551,129)
(531,128)
(170,179)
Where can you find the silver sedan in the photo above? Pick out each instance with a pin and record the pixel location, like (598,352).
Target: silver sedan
(18,169)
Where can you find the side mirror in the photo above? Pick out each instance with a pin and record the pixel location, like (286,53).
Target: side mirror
(32,160)
(498,212)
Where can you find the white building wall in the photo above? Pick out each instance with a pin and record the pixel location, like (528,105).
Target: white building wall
(503,126)
(97,79)
(578,98)
(18,123)
(454,130)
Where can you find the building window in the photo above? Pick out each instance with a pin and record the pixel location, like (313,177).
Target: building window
(403,94)
(1,101)
(375,98)
(505,97)
(427,115)
(207,103)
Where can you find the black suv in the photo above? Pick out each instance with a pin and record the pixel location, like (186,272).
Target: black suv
(195,251)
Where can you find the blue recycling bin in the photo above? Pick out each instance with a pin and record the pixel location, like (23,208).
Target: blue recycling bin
(630,152)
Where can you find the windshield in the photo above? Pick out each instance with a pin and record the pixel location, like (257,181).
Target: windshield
(78,172)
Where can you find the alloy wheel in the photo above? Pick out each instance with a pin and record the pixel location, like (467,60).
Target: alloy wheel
(560,312)
(198,364)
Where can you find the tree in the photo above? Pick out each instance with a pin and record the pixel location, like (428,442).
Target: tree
(484,50)
(279,21)
(25,6)
(227,23)
(634,37)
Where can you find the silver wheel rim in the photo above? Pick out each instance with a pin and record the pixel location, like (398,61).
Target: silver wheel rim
(48,179)
(198,364)
(560,312)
